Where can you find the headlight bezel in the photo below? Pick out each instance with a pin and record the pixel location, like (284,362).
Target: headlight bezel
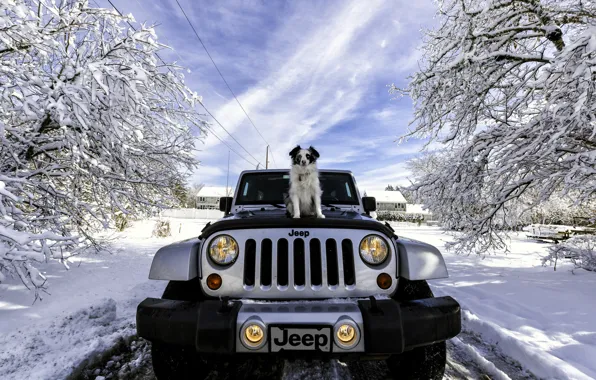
(223,264)
(385,259)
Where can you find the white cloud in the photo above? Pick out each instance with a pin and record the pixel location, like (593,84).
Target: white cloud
(378,179)
(317,68)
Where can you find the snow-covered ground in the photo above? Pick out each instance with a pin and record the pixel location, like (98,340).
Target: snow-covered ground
(91,305)
(520,319)
(541,318)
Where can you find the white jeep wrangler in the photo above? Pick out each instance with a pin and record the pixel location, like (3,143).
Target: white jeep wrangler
(258,284)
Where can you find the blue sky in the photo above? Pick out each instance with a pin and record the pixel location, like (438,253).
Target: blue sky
(307,72)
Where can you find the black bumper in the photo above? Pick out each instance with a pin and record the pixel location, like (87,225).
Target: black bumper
(390,327)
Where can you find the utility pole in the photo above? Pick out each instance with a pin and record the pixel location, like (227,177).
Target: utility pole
(267,157)
(228,176)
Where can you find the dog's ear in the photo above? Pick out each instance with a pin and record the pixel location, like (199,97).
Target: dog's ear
(295,151)
(314,152)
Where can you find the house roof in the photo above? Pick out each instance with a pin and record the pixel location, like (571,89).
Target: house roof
(387,196)
(215,191)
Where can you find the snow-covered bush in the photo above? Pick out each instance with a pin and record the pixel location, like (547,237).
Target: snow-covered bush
(580,250)
(92,123)
(161,229)
(509,89)
(399,217)
(121,221)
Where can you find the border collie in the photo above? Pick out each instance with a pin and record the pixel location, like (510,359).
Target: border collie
(305,190)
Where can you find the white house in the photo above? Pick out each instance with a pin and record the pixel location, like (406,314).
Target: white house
(208,197)
(395,203)
(389,200)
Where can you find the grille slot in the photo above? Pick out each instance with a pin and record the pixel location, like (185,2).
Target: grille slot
(299,267)
(347,253)
(250,262)
(316,267)
(332,265)
(282,262)
(266,262)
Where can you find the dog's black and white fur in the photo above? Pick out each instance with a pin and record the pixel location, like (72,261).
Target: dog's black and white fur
(305,190)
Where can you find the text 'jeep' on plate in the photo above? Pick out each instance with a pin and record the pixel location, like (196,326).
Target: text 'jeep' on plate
(259,283)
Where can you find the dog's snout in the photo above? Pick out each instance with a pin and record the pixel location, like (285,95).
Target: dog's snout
(303,162)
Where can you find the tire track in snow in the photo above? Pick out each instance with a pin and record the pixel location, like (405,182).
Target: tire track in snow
(467,358)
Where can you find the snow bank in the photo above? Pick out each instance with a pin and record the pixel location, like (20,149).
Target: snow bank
(484,364)
(538,317)
(90,307)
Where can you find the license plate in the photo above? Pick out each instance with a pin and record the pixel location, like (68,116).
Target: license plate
(285,338)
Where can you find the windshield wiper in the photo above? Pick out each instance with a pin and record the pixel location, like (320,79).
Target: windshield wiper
(277,205)
(330,205)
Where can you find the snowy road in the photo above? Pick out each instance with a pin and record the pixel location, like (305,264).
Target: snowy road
(512,307)
(468,358)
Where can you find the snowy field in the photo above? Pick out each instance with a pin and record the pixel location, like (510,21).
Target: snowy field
(521,320)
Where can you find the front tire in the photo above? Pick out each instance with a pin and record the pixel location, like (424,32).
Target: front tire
(424,363)
(182,363)
(173,363)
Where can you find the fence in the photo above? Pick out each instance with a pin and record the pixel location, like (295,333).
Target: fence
(191,213)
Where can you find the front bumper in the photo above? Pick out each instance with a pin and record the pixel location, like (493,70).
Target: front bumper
(213,327)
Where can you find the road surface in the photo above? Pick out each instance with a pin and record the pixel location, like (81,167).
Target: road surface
(467,358)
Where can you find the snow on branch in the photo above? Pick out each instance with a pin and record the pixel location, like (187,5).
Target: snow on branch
(93,125)
(509,89)
(579,250)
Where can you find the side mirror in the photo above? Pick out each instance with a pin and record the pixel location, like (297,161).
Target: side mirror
(369,203)
(225,204)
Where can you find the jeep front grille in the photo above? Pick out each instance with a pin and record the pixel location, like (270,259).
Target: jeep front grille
(268,268)
(275,264)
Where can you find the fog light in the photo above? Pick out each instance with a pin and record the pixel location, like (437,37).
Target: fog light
(253,334)
(214,281)
(384,281)
(346,334)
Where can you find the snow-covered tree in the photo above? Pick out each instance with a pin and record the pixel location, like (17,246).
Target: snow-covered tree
(193,193)
(92,124)
(508,86)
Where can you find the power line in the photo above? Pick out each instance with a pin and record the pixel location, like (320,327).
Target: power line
(223,78)
(230,148)
(201,103)
(217,121)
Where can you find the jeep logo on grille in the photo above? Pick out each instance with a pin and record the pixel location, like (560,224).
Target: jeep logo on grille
(299,233)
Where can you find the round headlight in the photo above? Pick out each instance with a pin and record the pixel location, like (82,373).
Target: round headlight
(223,250)
(373,249)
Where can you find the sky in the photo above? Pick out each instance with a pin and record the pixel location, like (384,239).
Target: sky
(307,73)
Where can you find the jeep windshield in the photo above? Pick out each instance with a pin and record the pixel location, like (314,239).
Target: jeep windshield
(268,188)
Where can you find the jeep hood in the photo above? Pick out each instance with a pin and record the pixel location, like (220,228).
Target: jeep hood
(279,219)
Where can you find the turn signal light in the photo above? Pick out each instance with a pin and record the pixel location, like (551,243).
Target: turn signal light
(384,281)
(214,281)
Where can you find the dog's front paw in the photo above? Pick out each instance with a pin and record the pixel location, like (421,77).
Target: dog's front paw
(296,216)
(321,216)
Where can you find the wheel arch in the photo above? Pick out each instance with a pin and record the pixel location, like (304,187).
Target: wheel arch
(420,261)
(177,261)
